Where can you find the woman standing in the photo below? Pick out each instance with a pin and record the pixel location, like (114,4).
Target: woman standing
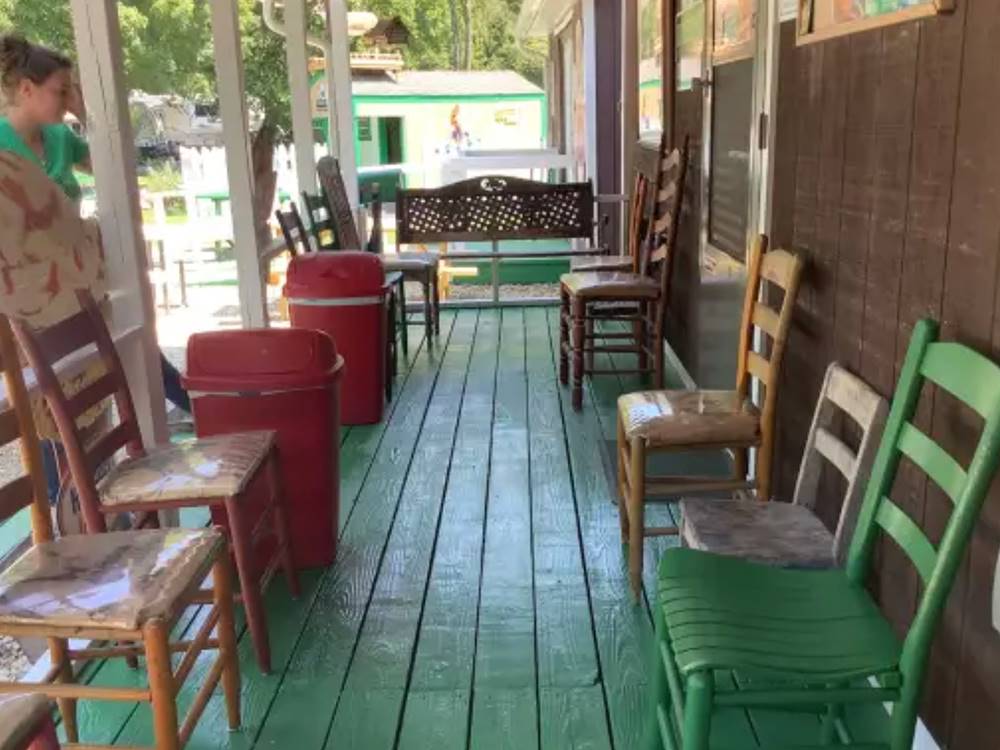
(38,88)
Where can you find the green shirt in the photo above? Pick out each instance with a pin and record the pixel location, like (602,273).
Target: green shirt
(64,150)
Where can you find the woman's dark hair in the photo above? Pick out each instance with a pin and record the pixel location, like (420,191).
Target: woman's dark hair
(20,60)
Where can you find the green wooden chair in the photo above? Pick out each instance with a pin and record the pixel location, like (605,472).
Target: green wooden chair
(816,640)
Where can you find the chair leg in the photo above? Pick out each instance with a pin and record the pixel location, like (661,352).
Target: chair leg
(622,482)
(589,343)
(404,329)
(246,569)
(636,515)
(563,336)
(281,529)
(577,307)
(698,711)
(58,653)
(161,685)
(428,309)
(226,630)
(659,688)
(640,335)
(436,294)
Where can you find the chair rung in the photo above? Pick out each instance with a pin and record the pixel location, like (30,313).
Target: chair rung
(661,531)
(621,371)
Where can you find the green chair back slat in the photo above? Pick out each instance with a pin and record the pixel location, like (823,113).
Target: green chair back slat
(946,472)
(966,374)
(908,536)
(974,380)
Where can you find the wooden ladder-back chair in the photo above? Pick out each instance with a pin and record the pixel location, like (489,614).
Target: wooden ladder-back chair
(123,588)
(166,477)
(293,230)
(418,268)
(815,640)
(638,298)
(791,534)
(635,233)
(652,422)
(637,230)
(321,224)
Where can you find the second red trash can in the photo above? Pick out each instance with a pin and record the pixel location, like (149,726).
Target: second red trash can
(286,380)
(344,294)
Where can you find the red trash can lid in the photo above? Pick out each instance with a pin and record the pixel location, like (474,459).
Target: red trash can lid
(260,359)
(334,275)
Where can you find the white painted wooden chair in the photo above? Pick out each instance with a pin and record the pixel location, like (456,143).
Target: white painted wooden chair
(791,534)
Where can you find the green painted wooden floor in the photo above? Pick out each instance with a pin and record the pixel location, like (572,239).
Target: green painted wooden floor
(480,595)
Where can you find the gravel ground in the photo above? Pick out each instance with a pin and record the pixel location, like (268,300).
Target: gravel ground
(13,662)
(507,291)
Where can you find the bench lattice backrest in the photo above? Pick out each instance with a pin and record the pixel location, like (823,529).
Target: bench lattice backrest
(495,208)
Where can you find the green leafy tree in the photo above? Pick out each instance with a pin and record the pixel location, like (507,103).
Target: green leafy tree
(167,46)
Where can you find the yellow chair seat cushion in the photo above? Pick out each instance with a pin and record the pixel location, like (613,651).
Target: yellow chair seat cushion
(610,285)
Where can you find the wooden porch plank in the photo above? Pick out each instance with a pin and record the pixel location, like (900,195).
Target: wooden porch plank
(384,651)
(505,672)
(435,719)
(365,719)
(445,651)
(505,719)
(359,446)
(506,593)
(286,617)
(623,630)
(567,654)
(574,719)
(307,698)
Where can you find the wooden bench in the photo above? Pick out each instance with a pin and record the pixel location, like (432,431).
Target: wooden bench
(497,208)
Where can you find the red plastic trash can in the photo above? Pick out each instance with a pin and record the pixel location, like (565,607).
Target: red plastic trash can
(344,294)
(286,380)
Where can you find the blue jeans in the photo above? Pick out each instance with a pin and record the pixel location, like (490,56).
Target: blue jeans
(175,394)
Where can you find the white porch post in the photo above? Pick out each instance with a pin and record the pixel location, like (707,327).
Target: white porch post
(590,85)
(236,137)
(98,43)
(298,82)
(338,89)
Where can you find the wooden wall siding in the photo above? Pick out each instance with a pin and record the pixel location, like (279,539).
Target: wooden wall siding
(887,179)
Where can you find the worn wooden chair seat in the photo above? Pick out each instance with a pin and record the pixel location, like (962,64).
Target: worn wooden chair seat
(817,638)
(411,261)
(612,285)
(791,534)
(118,581)
(20,718)
(215,468)
(601,263)
(770,533)
(672,417)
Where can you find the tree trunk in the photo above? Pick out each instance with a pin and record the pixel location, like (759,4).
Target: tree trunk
(456,36)
(468,35)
